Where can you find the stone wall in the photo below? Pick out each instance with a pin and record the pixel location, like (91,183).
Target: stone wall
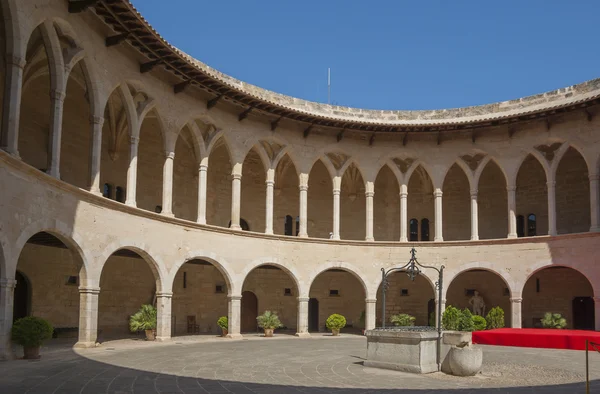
(572,194)
(456,205)
(532,194)
(414,301)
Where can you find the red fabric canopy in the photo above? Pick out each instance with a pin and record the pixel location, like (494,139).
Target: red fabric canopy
(536,337)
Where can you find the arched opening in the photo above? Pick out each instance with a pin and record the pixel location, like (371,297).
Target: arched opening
(115,148)
(34,123)
(456,205)
(572,194)
(490,286)
(127,282)
(352,205)
(320,202)
(492,203)
(420,197)
(406,296)
(6,32)
(339,291)
(218,196)
(254,192)
(561,290)
(286,198)
(275,290)
(532,193)
(47,277)
(199,298)
(413,227)
(151,159)
(185,176)
(386,206)
(425,229)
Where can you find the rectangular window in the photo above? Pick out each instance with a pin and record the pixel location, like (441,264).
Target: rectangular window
(71,281)
(219,289)
(107,190)
(334,293)
(287,292)
(120,194)
(469,292)
(404,292)
(184,279)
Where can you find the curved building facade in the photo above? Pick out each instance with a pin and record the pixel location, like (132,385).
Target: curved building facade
(131,173)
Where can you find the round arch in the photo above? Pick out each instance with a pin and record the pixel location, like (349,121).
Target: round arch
(272,261)
(369,292)
(218,262)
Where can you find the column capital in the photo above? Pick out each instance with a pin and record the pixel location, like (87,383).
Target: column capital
(270,182)
(170,155)
(437,193)
(443,301)
(516,299)
(7,283)
(371,300)
(56,94)
(474,193)
(99,120)
(203,167)
(164,294)
(234,297)
(336,192)
(303,188)
(403,194)
(303,180)
(134,140)
(235,175)
(551,184)
(594,177)
(303,299)
(89,290)
(12,60)
(369,194)
(511,188)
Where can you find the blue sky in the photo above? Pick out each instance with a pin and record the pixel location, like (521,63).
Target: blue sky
(390,54)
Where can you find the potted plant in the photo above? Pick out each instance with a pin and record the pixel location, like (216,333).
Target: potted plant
(495,318)
(554,320)
(402,320)
(30,332)
(463,358)
(269,321)
(144,319)
(223,322)
(335,322)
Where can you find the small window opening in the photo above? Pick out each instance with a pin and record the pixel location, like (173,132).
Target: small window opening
(184,280)
(520,226)
(120,194)
(288,225)
(404,292)
(219,289)
(424,229)
(71,280)
(531,225)
(414,230)
(107,190)
(334,293)
(287,291)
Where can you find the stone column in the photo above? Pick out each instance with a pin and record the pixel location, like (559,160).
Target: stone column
(57,99)
(236,196)
(88,316)
(515,308)
(551,207)
(202,173)
(132,171)
(303,317)
(337,189)
(303,232)
(369,193)
(167,194)
(437,194)
(234,316)
(7,291)
(597,313)
(437,316)
(512,211)
(403,213)
(96,154)
(594,204)
(11,105)
(163,311)
(474,216)
(269,205)
(370,305)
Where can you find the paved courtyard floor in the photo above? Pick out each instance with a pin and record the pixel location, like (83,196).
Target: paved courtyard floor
(283,364)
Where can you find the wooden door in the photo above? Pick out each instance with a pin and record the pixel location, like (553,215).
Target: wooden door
(21,297)
(249,311)
(583,313)
(313,315)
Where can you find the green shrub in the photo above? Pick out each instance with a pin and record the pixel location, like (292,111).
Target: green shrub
(223,322)
(465,322)
(479,323)
(403,320)
(335,322)
(31,331)
(269,320)
(495,318)
(144,319)
(554,320)
(451,318)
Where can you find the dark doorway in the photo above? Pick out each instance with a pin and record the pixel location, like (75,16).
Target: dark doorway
(583,313)
(313,315)
(249,312)
(431,312)
(21,300)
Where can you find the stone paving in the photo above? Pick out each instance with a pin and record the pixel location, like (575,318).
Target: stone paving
(279,365)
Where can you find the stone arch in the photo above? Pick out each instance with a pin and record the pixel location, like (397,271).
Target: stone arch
(286,196)
(572,193)
(456,203)
(253,189)
(220,167)
(12,28)
(151,157)
(532,195)
(339,265)
(420,203)
(492,200)
(352,203)
(217,261)
(273,261)
(320,200)
(386,205)
(186,175)
(414,166)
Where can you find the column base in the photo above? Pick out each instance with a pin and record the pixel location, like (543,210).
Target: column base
(269,232)
(201,221)
(303,335)
(302,235)
(335,238)
(235,227)
(438,240)
(403,239)
(475,238)
(234,336)
(85,345)
(511,236)
(163,339)
(370,239)
(7,354)
(168,214)
(594,229)
(131,204)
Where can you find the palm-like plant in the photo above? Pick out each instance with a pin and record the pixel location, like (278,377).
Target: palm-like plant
(144,319)
(269,320)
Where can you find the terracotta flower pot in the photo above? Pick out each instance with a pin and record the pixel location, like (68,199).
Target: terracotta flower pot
(335,332)
(150,335)
(31,353)
(269,332)
(224,332)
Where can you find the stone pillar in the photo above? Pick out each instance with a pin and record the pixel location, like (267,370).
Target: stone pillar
(96,154)
(163,311)
(132,171)
(594,204)
(7,291)
(234,316)
(269,204)
(57,100)
(597,313)
(88,316)
(167,194)
(303,232)
(369,193)
(437,316)
(437,194)
(403,212)
(515,308)
(512,211)
(303,317)
(11,105)
(337,183)
(551,207)
(474,216)
(370,305)
(202,173)
(236,196)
